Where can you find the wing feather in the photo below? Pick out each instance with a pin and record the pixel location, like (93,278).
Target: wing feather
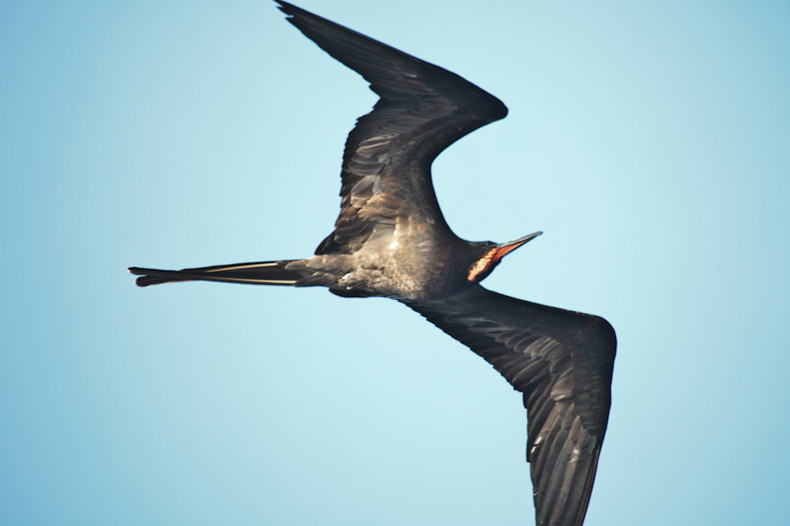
(422,110)
(562,362)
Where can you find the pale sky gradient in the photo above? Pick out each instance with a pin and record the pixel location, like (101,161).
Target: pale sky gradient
(650,141)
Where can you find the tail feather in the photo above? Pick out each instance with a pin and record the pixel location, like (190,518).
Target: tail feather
(259,273)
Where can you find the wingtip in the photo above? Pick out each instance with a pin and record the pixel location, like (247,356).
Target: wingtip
(288,9)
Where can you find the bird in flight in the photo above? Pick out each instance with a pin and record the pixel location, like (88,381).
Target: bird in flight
(391,240)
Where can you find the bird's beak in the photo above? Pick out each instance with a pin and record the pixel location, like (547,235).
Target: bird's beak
(506,248)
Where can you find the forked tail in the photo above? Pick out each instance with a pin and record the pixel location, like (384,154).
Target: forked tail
(260,273)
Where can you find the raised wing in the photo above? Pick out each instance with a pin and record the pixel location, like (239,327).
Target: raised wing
(386,179)
(562,361)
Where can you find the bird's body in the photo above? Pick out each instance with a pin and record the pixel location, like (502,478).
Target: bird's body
(391,240)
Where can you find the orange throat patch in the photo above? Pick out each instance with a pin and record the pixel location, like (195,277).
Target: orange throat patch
(482,264)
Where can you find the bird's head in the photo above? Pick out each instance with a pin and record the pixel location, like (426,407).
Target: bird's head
(492,254)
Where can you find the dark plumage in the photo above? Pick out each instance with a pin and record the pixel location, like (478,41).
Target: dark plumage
(391,240)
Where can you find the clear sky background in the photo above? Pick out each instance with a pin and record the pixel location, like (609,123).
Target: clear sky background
(650,141)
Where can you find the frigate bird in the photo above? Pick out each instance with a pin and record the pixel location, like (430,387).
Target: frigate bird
(391,240)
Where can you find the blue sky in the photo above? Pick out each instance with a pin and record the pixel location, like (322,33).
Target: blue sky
(649,141)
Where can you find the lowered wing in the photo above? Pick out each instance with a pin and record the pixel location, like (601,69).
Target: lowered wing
(562,362)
